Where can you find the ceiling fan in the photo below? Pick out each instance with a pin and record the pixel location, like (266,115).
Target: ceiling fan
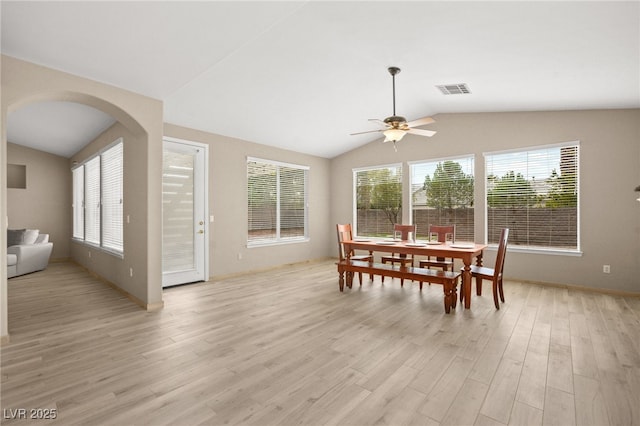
(397,126)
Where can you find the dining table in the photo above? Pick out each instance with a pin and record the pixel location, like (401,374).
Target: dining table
(467,252)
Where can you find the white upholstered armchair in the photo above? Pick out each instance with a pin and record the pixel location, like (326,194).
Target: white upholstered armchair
(28,251)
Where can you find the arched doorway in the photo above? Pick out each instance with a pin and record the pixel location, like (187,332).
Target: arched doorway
(23,84)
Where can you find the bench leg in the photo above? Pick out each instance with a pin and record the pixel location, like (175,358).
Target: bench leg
(449,296)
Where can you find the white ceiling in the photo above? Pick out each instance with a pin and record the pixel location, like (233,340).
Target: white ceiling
(304,75)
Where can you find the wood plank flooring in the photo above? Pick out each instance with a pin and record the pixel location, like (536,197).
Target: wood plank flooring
(285,347)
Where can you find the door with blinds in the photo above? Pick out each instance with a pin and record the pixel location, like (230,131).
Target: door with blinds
(184,213)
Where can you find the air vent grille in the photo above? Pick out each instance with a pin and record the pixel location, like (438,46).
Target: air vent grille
(454,89)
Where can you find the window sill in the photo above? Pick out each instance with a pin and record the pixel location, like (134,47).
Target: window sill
(267,243)
(544,251)
(97,247)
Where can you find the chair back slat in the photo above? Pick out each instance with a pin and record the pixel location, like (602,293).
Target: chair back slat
(344,234)
(502,252)
(442,231)
(404,230)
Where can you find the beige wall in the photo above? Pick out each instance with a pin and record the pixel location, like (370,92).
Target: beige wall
(228,204)
(24,83)
(111,267)
(609,172)
(46,202)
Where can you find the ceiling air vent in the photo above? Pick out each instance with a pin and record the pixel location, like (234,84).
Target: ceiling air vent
(454,89)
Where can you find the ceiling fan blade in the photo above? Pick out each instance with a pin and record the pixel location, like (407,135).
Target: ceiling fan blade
(368,131)
(421,132)
(421,122)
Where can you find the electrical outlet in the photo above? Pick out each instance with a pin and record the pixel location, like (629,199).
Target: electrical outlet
(606,269)
(239,256)
(89,253)
(130,272)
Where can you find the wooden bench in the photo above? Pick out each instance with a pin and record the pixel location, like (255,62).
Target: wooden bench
(448,279)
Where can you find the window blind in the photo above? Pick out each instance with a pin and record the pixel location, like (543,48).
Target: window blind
(178,218)
(534,192)
(442,194)
(78,202)
(112,197)
(277,201)
(378,200)
(292,202)
(92,201)
(98,199)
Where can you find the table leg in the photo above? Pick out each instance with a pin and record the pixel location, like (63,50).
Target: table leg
(466,285)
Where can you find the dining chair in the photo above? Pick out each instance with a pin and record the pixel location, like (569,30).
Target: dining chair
(494,275)
(345,234)
(443,232)
(403,259)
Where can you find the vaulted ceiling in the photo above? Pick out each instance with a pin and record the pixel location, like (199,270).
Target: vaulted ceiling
(304,75)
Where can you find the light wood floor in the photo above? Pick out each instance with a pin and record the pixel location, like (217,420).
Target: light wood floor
(286,347)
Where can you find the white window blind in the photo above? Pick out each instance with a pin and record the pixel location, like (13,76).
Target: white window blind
(78,202)
(377,200)
(98,199)
(112,197)
(534,192)
(178,211)
(92,200)
(277,202)
(442,194)
(292,202)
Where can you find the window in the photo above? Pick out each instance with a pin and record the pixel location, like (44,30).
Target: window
(442,194)
(98,199)
(92,201)
(378,200)
(78,202)
(277,202)
(534,193)
(111,190)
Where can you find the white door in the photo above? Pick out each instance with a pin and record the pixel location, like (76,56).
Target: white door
(184,213)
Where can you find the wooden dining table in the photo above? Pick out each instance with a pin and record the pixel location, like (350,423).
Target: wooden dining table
(466,252)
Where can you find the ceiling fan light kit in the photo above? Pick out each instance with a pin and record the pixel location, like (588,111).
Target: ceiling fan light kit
(397,126)
(393,135)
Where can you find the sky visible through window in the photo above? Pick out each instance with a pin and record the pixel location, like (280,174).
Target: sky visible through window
(421,170)
(537,164)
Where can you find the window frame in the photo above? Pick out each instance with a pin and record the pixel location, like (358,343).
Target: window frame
(536,249)
(100,244)
(279,239)
(355,172)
